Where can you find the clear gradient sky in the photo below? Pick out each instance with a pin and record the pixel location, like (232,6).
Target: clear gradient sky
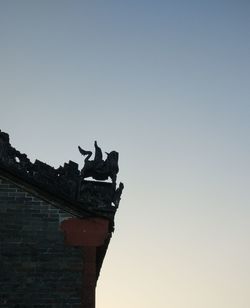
(165,83)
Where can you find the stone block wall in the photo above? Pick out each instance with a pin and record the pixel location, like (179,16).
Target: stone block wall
(36,268)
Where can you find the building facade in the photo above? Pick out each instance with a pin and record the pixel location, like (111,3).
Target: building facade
(55,227)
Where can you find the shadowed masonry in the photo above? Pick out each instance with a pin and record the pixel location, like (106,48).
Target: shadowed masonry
(55,228)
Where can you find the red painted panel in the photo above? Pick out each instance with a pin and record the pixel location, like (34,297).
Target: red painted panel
(85,232)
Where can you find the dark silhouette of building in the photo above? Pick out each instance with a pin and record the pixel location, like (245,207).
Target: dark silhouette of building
(55,228)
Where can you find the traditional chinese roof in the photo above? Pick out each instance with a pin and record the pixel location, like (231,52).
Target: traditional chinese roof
(64,187)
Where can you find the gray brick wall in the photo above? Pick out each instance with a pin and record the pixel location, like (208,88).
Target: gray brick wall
(36,268)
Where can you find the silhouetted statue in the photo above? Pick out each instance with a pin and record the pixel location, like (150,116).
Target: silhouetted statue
(98,168)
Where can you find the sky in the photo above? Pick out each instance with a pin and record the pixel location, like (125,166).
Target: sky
(166,84)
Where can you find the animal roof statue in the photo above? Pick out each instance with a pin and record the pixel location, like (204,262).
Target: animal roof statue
(98,168)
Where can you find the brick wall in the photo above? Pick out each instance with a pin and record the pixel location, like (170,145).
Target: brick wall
(36,268)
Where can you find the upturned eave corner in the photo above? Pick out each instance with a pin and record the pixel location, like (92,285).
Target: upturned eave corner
(67,186)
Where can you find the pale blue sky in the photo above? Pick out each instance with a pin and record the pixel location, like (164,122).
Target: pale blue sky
(165,83)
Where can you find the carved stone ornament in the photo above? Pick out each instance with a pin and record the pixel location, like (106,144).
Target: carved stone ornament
(67,181)
(98,168)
